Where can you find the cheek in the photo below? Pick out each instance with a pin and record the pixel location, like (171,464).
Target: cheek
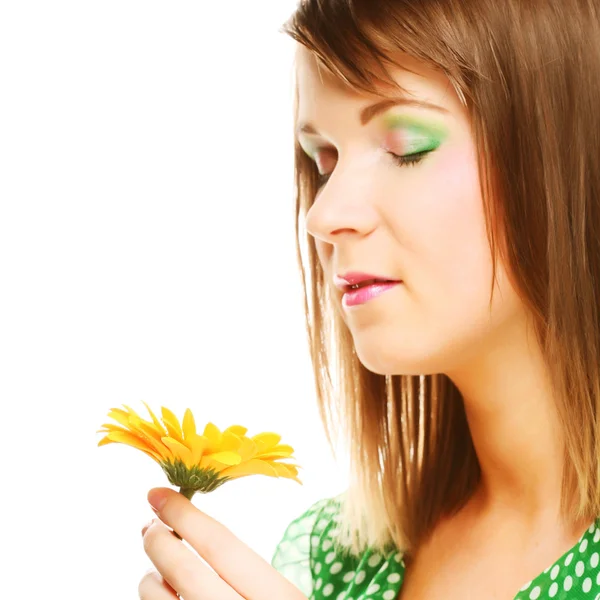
(324,251)
(463,250)
(448,238)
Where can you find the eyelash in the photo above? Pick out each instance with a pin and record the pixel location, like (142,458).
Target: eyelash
(401,161)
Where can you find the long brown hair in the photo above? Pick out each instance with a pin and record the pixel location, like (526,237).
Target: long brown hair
(529,74)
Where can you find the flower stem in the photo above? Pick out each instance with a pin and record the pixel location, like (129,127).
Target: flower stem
(188,493)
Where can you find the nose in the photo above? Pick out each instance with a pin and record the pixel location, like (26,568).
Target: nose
(342,208)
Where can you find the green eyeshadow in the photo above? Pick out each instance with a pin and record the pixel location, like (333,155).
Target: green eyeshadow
(427,136)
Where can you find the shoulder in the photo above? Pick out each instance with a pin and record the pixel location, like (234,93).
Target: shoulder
(301,536)
(294,554)
(332,569)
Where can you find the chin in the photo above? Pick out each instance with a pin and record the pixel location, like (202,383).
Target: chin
(383,364)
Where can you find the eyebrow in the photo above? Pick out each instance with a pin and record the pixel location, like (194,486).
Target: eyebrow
(367,113)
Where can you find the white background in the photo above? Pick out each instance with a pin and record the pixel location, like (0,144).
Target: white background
(146,253)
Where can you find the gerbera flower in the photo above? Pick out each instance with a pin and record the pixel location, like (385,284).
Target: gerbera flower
(199,462)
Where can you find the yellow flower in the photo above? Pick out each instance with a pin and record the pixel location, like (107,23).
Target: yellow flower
(199,463)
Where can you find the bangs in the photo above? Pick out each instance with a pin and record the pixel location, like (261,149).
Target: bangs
(361,42)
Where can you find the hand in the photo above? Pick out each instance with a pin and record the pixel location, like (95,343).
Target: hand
(239,573)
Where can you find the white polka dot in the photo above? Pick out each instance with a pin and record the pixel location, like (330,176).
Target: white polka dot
(587,584)
(598,578)
(393,578)
(372,589)
(398,557)
(579,568)
(326,545)
(594,560)
(314,542)
(334,532)
(341,596)
(360,577)
(569,559)
(526,586)
(568,583)
(349,576)
(318,567)
(389,595)
(591,528)
(554,572)
(535,592)
(553,589)
(318,584)
(597,536)
(384,566)
(336,567)
(583,546)
(321,525)
(329,558)
(328,589)
(374,560)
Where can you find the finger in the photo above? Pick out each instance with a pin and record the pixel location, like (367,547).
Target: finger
(153,587)
(248,573)
(182,569)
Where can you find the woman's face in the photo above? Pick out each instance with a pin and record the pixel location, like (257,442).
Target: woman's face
(421,223)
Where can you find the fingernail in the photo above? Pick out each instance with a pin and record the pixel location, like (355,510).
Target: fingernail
(156,499)
(147,525)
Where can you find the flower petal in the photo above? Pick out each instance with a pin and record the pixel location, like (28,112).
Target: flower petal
(120,416)
(273,456)
(149,430)
(179,451)
(132,440)
(213,435)
(147,433)
(230,442)
(227,458)
(208,464)
(284,470)
(172,424)
(161,430)
(113,427)
(237,430)
(189,425)
(251,467)
(131,411)
(281,451)
(197,446)
(266,439)
(247,449)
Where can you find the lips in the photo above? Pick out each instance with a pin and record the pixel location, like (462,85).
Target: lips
(362,294)
(355,280)
(365,283)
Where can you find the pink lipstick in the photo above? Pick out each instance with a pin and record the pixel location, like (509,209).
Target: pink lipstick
(359,288)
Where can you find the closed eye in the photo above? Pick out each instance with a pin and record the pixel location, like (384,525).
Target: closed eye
(400,160)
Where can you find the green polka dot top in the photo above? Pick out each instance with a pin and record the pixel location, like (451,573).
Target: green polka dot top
(306,556)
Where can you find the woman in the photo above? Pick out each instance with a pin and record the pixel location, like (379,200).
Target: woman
(470,390)
(448,212)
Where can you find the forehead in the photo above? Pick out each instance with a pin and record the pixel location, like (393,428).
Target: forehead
(318,86)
